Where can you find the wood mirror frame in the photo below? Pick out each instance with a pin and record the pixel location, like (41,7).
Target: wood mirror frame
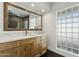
(6,18)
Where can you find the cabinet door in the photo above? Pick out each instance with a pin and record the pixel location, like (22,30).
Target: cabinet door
(14,52)
(43,45)
(35,48)
(9,45)
(25,50)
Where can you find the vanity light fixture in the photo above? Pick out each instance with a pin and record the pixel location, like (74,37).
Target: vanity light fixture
(32,5)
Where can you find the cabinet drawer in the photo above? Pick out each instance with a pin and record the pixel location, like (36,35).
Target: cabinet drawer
(26,41)
(14,52)
(8,45)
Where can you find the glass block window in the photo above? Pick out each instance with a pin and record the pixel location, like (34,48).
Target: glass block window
(67,29)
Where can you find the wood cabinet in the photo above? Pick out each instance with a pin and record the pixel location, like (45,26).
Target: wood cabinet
(9,45)
(10,49)
(25,47)
(25,50)
(14,52)
(35,47)
(43,45)
(31,47)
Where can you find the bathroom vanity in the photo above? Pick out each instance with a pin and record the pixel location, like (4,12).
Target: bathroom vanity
(23,46)
(17,18)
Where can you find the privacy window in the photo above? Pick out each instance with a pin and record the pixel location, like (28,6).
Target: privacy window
(67,30)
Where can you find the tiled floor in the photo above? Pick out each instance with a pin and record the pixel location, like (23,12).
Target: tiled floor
(51,54)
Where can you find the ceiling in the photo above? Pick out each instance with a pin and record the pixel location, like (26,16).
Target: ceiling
(39,7)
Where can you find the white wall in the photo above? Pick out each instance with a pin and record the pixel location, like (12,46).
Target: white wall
(49,26)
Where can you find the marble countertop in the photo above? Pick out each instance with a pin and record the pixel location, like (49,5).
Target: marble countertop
(8,38)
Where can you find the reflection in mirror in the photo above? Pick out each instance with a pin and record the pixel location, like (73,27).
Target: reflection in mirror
(17,18)
(34,21)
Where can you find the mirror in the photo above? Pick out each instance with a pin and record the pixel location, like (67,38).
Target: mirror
(17,18)
(34,21)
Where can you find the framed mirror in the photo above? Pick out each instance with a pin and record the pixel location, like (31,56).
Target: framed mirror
(17,18)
